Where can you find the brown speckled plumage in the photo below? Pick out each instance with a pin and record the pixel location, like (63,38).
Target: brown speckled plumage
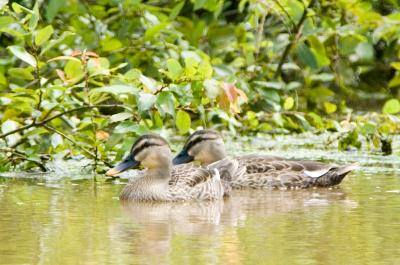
(162,182)
(268,172)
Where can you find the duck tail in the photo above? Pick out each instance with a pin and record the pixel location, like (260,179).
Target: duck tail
(335,175)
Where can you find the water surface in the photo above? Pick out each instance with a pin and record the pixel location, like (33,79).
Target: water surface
(65,218)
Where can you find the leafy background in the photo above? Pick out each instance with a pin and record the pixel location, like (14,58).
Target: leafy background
(87,77)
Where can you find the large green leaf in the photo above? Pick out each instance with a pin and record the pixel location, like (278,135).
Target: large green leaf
(182,121)
(9,125)
(22,54)
(73,69)
(306,56)
(146,101)
(392,106)
(53,7)
(23,73)
(44,35)
(121,116)
(174,69)
(166,103)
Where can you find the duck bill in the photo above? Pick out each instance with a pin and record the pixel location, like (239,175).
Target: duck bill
(182,158)
(126,164)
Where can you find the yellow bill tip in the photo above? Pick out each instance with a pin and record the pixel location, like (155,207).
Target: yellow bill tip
(112,172)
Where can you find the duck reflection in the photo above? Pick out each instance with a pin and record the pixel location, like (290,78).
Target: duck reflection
(162,228)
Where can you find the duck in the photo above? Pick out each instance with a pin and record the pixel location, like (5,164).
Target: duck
(156,184)
(260,171)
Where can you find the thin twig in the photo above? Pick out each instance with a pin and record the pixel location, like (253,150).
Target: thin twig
(94,127)
(43,122)
(24,157)
(296,32)
(74,143)
(260,31)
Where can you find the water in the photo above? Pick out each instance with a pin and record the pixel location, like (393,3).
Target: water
(50,219)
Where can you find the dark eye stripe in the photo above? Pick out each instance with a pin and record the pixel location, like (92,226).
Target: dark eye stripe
(146,141)
(140,148)
(200,139)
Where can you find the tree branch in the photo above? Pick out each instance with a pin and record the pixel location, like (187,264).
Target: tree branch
(43,122)
(295,33)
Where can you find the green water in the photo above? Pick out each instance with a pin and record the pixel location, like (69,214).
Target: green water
(67,219)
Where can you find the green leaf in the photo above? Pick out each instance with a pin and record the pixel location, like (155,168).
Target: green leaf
(289,103)
(365,51)
(5,21)
(318,49)
(176,9)
(56,140)
(205,69)
(166,103)
(73,69)
(151,32)
(306,56)
(110,44)
(116,89)
(213,88)
(120,116)
(392,106)
(19,8)
(295,9)
(52,43)
(130,127)
(174,69)
(64,57)
(273,85)
(148,83)
(44,35)
(52,9)
(146,101)
(22,54)
(23,73)
(396,65)
(329,107)
(8,126)
(34,17)
(183,121)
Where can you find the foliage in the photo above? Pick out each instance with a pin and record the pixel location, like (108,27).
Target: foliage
(83,77)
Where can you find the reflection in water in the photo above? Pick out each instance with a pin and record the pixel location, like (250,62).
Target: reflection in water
(158,225)
(56,219)
(84,223)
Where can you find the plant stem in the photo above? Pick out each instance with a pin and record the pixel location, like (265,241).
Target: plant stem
(43,122)
(24,157)
(296,32)
(75,143)
(94,127)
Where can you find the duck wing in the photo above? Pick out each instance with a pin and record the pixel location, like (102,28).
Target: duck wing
(255,163)
(294,174)
(198,184)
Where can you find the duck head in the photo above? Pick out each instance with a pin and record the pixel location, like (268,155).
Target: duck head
(150,151)
(205,146)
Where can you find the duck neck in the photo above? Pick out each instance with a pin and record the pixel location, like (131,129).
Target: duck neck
(216,156)
(160,173)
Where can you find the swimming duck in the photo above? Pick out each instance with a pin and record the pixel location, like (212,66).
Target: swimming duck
(155,183)
(262,171)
